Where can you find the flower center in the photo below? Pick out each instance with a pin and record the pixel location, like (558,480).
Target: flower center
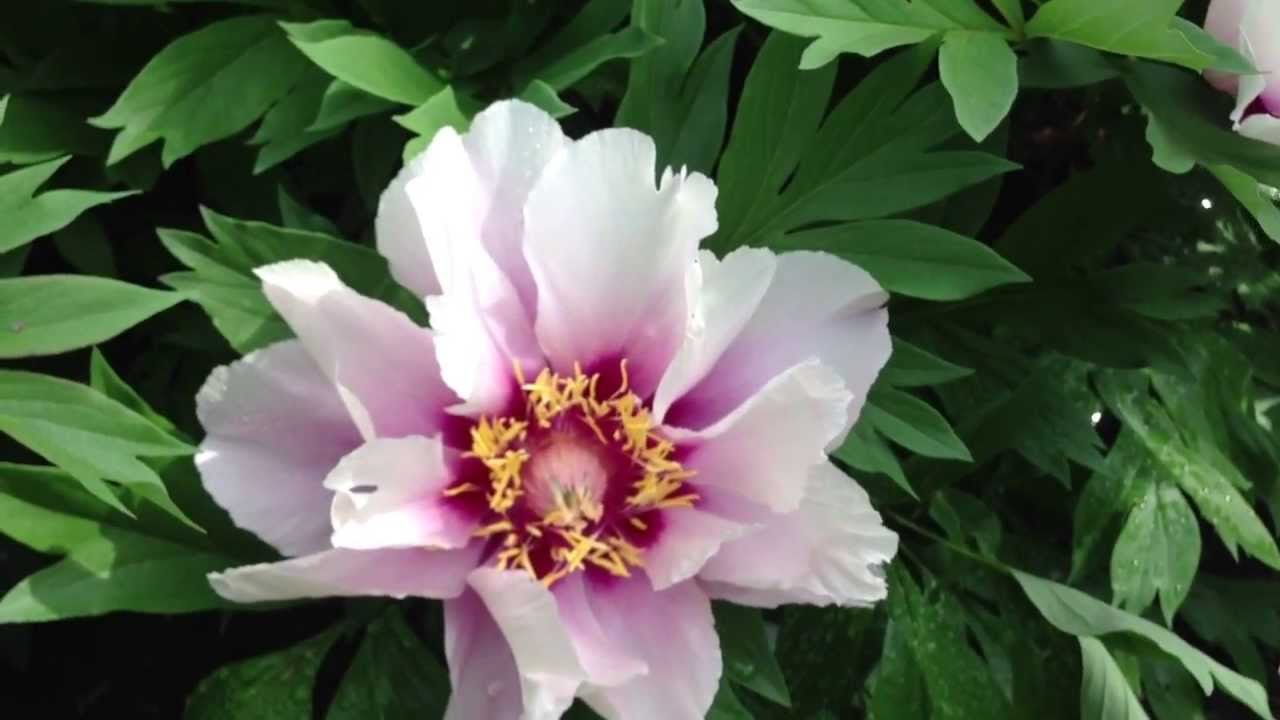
(574,480)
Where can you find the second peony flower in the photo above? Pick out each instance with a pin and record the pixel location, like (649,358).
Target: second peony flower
(603,430)
(1253,28)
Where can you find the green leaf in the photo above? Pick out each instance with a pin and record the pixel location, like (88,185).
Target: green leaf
(50,314)
(1131,28)
(219,66)
(87,434)
(1252,196)
(584,44)
(444,109)
(223,284)
(1076,613)
(28,216)
(748,660)
(104,379)
(980,72)
(913,366)
(365,60)
(887,183)
(913,424)
(678,100)
(1201,471)
(274,686)
(1157,551)
(542,95)
(726,705)
(299,217)
(33,130)
(342,103)
(110,563)
(864,449)
(957,681)
(1105,694)
(865,27)
(286,128)
(780,111)
(1225,58)
(1012,12)
(911,258)
(1049,63)
(392,676)
(1194,117)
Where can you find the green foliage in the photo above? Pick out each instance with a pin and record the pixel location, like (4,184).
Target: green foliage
(1076,438)
(50,314)
(220,66)
(109,562)
(29,216)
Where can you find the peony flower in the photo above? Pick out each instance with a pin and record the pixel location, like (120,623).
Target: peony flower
(1253,28)
(603,430)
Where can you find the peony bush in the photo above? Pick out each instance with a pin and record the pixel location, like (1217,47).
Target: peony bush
(640,359)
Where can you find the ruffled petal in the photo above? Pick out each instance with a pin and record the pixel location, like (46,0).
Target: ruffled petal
(526,611)
(388,495)
(413,572)
(275,427)
(482,670)
(674,633)
(468,202)
(817,306)
(610,254)
(828,551)
(383,365)
(400,238)
(689,539)
(726,297)
(765,448)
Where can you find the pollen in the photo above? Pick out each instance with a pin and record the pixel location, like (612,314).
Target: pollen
(574,478)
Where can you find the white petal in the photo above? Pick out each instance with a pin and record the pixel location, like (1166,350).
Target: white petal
(1261,127)
(481,321)
(400,238)
(383,364)
(674,633)
(550,673)
(828,551)
(765,448)
(727,296)
(275,427)
(689,538)
(817,306)
(610,254)
(388,495)
(348,573)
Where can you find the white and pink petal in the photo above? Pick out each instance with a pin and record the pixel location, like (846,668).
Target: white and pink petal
(526,611)
(673,633)
(830,550)
(817,305)
(611,252)
(410,572)
(389,494)
(275,428)
(764,449)
(382,364)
